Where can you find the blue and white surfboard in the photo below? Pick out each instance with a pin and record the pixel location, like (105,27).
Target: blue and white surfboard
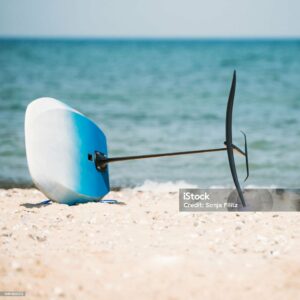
(60,148)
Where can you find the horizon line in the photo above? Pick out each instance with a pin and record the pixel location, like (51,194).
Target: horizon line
(145,38)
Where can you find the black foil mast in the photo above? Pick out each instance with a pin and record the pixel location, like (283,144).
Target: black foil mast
(228,142)
(101,161)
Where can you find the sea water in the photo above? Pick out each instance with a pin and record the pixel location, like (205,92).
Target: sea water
(152,96)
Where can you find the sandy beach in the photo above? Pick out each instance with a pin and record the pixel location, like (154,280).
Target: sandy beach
(144,248)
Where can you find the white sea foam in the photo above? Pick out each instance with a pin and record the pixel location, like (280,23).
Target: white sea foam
(174,186)
(168,186)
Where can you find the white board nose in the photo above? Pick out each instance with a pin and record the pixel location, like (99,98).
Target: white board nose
(60,142)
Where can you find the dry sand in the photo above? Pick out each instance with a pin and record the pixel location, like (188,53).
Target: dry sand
(144,249)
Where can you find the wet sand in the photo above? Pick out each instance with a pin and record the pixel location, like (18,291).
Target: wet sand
(144,248)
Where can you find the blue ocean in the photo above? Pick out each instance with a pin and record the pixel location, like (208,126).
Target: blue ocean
(152,96)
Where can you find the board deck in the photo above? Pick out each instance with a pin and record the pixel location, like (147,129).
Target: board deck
(60,147)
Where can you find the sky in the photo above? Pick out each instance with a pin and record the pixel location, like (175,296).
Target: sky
(150,18)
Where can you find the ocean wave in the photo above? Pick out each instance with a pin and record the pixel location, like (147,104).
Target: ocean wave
(168,186)
(174,186)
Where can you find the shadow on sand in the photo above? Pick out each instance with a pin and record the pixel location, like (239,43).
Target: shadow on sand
(37,205)
(49,202)
(110,201)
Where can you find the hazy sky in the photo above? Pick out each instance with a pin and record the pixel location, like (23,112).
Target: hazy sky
(150,18)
